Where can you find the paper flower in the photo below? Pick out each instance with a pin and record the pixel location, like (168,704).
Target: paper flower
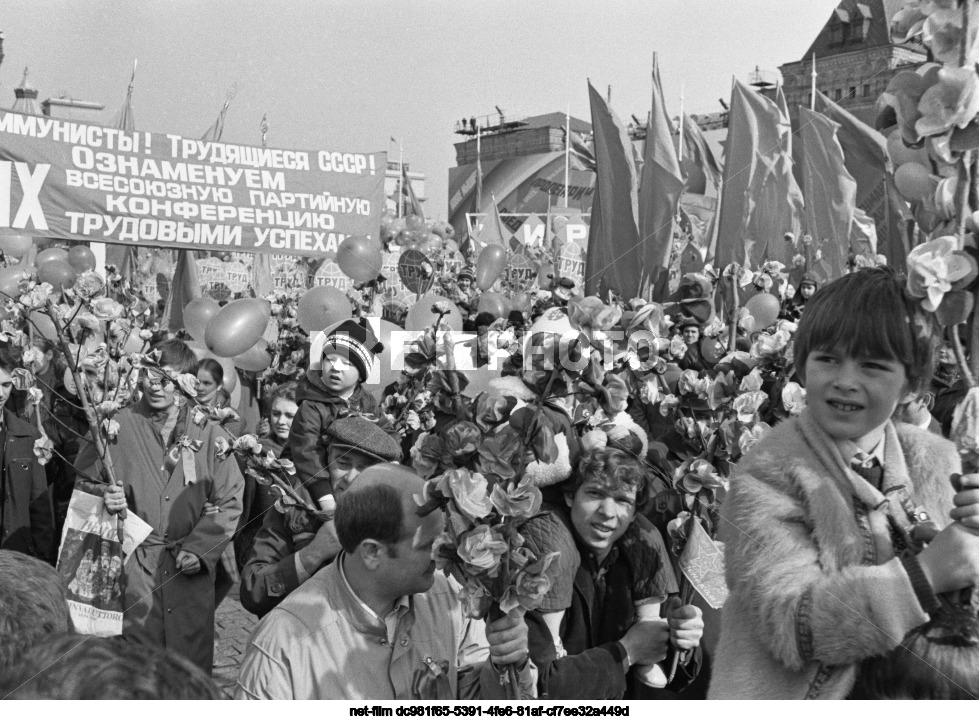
(934,267)
(470,492)
(43,449)
(529,587)
(747,405)
(521,500)
(481,549)
(793,398)
(952,102)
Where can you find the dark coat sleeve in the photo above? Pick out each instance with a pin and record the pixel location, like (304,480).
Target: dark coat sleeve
(306,445)
(595,673)
(42,515)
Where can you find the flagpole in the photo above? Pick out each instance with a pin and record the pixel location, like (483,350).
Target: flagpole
(401,177)
(567,157)
(479,168)
(812,89)
(679,151)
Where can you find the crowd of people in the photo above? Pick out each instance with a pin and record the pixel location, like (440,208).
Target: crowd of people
(841,529)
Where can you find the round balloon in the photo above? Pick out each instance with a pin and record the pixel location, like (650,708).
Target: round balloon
(493,303)
(421,315)
(196,315)
(255,359)
(81,258)
(489,265)
(58,273)
(415,223)
(914,182)
(764,308)
(522,302)
(15,246)
(360,258)
(49,254)
(10,278)
(412,271)
(237,327)
(901,153)
(322,306)
(43,324)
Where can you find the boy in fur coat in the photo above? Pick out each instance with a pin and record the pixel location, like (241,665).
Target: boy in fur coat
(821,509)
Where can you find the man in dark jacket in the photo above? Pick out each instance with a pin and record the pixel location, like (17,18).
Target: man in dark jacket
(26,517)
(291,544)
(602,638)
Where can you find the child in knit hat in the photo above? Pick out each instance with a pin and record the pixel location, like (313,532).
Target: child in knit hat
(341,358)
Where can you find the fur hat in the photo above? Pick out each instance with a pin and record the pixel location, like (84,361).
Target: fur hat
(365,437)
(351,339)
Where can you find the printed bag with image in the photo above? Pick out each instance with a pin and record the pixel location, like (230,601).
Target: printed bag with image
(92,559)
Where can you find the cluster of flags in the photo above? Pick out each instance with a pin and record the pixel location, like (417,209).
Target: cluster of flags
(836,185)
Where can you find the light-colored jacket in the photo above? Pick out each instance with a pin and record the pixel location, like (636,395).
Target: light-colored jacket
(811,591)
(321,643)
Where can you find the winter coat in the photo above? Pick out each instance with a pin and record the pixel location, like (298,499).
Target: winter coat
(318,408)
(164,606)
(811,593)
(256,501)
(28,521)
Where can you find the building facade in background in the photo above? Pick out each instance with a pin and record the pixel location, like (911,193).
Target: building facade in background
(855,59)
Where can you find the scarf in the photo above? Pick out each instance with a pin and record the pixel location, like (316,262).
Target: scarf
(891,514)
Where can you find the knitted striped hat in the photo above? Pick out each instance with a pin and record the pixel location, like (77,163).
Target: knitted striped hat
(351,339)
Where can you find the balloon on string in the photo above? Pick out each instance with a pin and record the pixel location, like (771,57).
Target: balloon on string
(49,254)
(237,327)
(431,244)
(58,273)
(421,316)
(43,325)
(322,306)
(901,153)
(493,303)
(254,359)
(914,182)
(81,258)
(360,258)
(15,246)
(387,223)
(489,265)
(764,308)
(415,223)
(405,237)
(196,315)
(10,278)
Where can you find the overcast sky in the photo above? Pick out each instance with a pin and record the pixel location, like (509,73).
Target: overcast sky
(350,75)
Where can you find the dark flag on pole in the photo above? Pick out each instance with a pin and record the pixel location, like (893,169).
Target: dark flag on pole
(614,258)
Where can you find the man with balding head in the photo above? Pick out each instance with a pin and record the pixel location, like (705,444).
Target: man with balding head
(380,622)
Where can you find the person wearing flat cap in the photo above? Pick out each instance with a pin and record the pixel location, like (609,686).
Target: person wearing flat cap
(294,544)
(340,361)
(381,622)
